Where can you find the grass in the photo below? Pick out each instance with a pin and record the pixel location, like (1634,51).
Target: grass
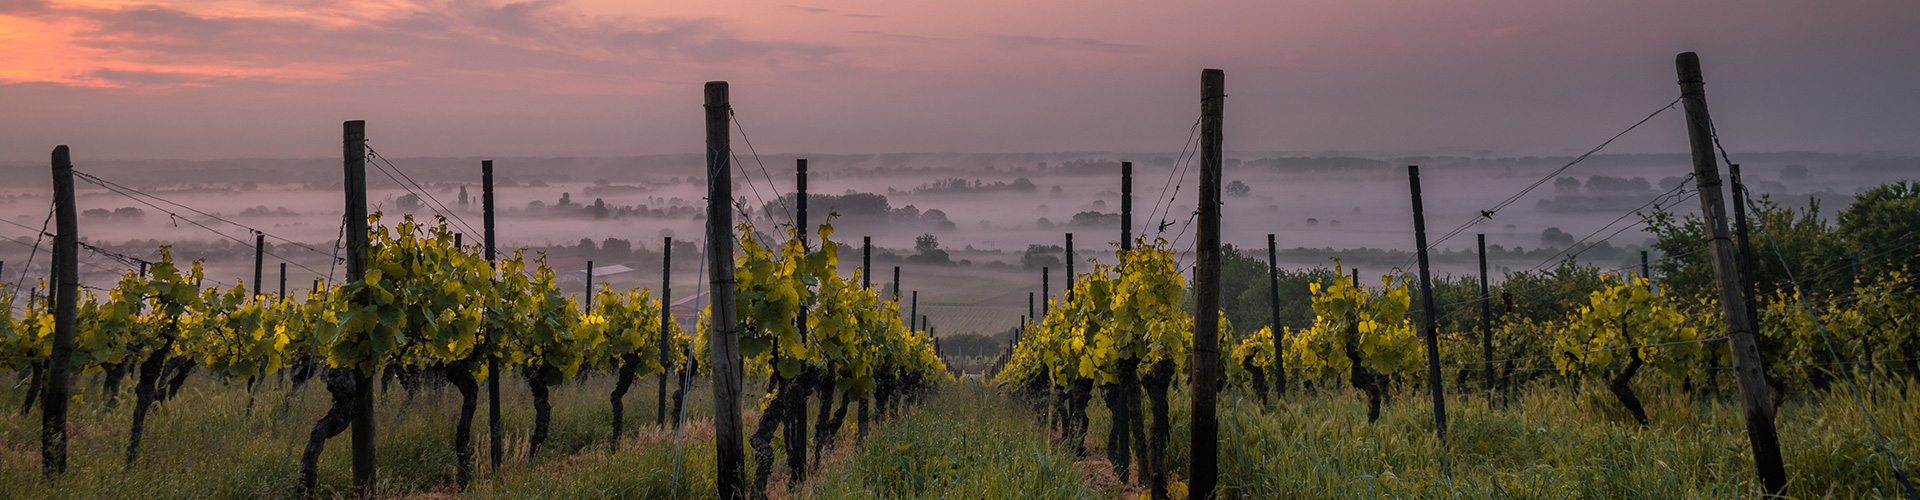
(971,441)
(968,442)
(1550,442)
(207,444)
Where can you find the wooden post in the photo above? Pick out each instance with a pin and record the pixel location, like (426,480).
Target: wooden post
(800,188)
(66,297)
(1754,398)
(729,453)
(1126,206)
(1356,277)
(588,305)
(1486,320)
(1747,287)
(1046,293)
(1273,322)
(1206,290)
(283,280)
(259,262)
(914,314)
(1432,316)
(896,285)
(496,443)
(355,151)
(1069,291)
(666,317)
(1029,309)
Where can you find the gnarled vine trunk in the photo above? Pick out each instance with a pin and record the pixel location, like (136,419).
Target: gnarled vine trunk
(537,377)
(340,383)
(789,398)
(146,391)
(116,373)
(1117,449)
(37,371)
(460,374)
(181,367)
(1156,384)
(1622,387)
(1366,380)
(1077,398)
(629,364)
(825,389)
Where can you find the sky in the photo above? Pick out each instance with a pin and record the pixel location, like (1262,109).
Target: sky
(129,79)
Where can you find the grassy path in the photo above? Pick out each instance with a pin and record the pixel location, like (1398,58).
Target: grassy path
(968,442)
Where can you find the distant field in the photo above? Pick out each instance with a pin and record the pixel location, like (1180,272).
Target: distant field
(970,299)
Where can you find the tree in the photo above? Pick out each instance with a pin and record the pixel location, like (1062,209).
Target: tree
(616,248)
(1882,226)
(1238,189)
(927,250)
(1038,256)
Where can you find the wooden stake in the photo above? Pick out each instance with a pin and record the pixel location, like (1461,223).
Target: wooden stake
(1205,434)
(1046,292)
(1486,320)
(729,454)
(66,297)
(1126,206)
(1755,399)
(588,305)
(666,317)
(259,262)
(355,151)
(496,443)
(1069,291)
(283,280)
(1744,246)
(1273,322)
(1432,316)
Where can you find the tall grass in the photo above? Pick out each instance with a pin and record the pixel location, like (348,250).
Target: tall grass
(971,441)
(968,442)
(207,443)
(1549,442)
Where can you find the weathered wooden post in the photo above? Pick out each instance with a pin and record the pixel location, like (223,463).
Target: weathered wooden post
(283,280)
(1206,289)
(1273,310)
(1486,320)
(587,306)
(729,454)
(259,261)
(1432,321)
(357,232)
(666,317)
(1748,370)
(1745,248)
(1126,206)
(1069,291)
(496,443)
(66,297)
(866,283)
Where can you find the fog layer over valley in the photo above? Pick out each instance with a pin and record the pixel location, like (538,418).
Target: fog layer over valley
(970,231)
